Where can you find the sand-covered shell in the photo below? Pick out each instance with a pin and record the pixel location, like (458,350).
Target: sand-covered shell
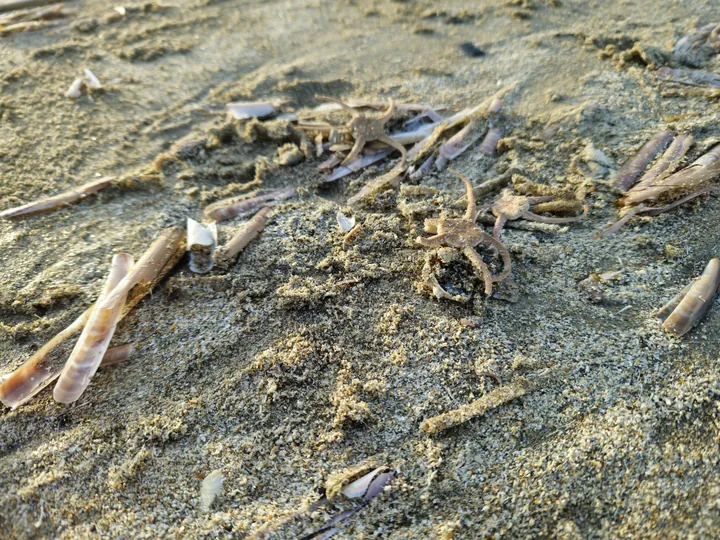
(211,487)
(201,242)
(369,485)
(688,307)
(344,222)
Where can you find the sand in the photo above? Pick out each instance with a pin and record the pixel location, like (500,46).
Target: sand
(311,358)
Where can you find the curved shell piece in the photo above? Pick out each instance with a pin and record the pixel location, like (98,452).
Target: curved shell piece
(94,339)
(369,485)
(244,205)
(689,310)
(211,487)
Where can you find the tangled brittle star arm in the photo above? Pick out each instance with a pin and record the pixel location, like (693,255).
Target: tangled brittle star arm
(504,255)
(481,269)
(399,147)
(354,151)
(556,220)
(500,222)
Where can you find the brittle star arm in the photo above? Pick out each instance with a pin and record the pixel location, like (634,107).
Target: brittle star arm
(345,106)
(399,147)
(471,212)
(433,241)
(500,222)
(354,151)
(504,254)
(481,269)
(388,114)
(542,219)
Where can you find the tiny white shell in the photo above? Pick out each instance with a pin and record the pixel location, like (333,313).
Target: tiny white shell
(345,223)
(211,487)
(75,90)
(91,80)
(242,110)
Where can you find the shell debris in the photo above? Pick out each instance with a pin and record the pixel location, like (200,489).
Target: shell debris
(201,242)
(345,223)
(687,308)
(211,487)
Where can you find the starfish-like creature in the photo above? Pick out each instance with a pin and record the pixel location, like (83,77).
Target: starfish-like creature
(365,129)
(464,234)
(509,207)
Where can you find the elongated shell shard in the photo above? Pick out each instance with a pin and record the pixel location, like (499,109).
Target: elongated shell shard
(95,337)
(117,355)
(696,302)
(33,375)
(57,201)
(201,243)
(489,144)
(162,254)
(630,172)
(242,206)
(227,254)
(242,110)
(211,487)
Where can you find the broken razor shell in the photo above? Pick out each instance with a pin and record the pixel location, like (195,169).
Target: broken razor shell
(201,242)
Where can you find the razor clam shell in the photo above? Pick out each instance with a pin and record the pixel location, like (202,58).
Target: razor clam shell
(57,201)
(244,205)
(356,164)
(227,254)
(630,172)
(489,144)
(457,144)
(693,306)
(211,487)
(95,337)
(201,242)
(358,488)
(669,160)
(152,265)
(702,170)
(242,110)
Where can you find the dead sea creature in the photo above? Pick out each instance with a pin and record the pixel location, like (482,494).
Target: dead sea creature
(491,400)
(511,207)
(463,234)
(242,110)
(630,172)
(201,242)
(94,339)
(211,487)
(365,129)
(246,204)
(41,369)
(227,254)
(57,201)
(687,308)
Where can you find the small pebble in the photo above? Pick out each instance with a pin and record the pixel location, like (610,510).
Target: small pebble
(471,51)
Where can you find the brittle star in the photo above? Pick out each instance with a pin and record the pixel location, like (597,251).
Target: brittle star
(509,207)
(464,234)
(365,129)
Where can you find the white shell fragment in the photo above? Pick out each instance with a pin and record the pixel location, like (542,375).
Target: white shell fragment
(201,242)
(211,487)
(345,223)
(370,485)
(75,90)
(91,80)
(242,110)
